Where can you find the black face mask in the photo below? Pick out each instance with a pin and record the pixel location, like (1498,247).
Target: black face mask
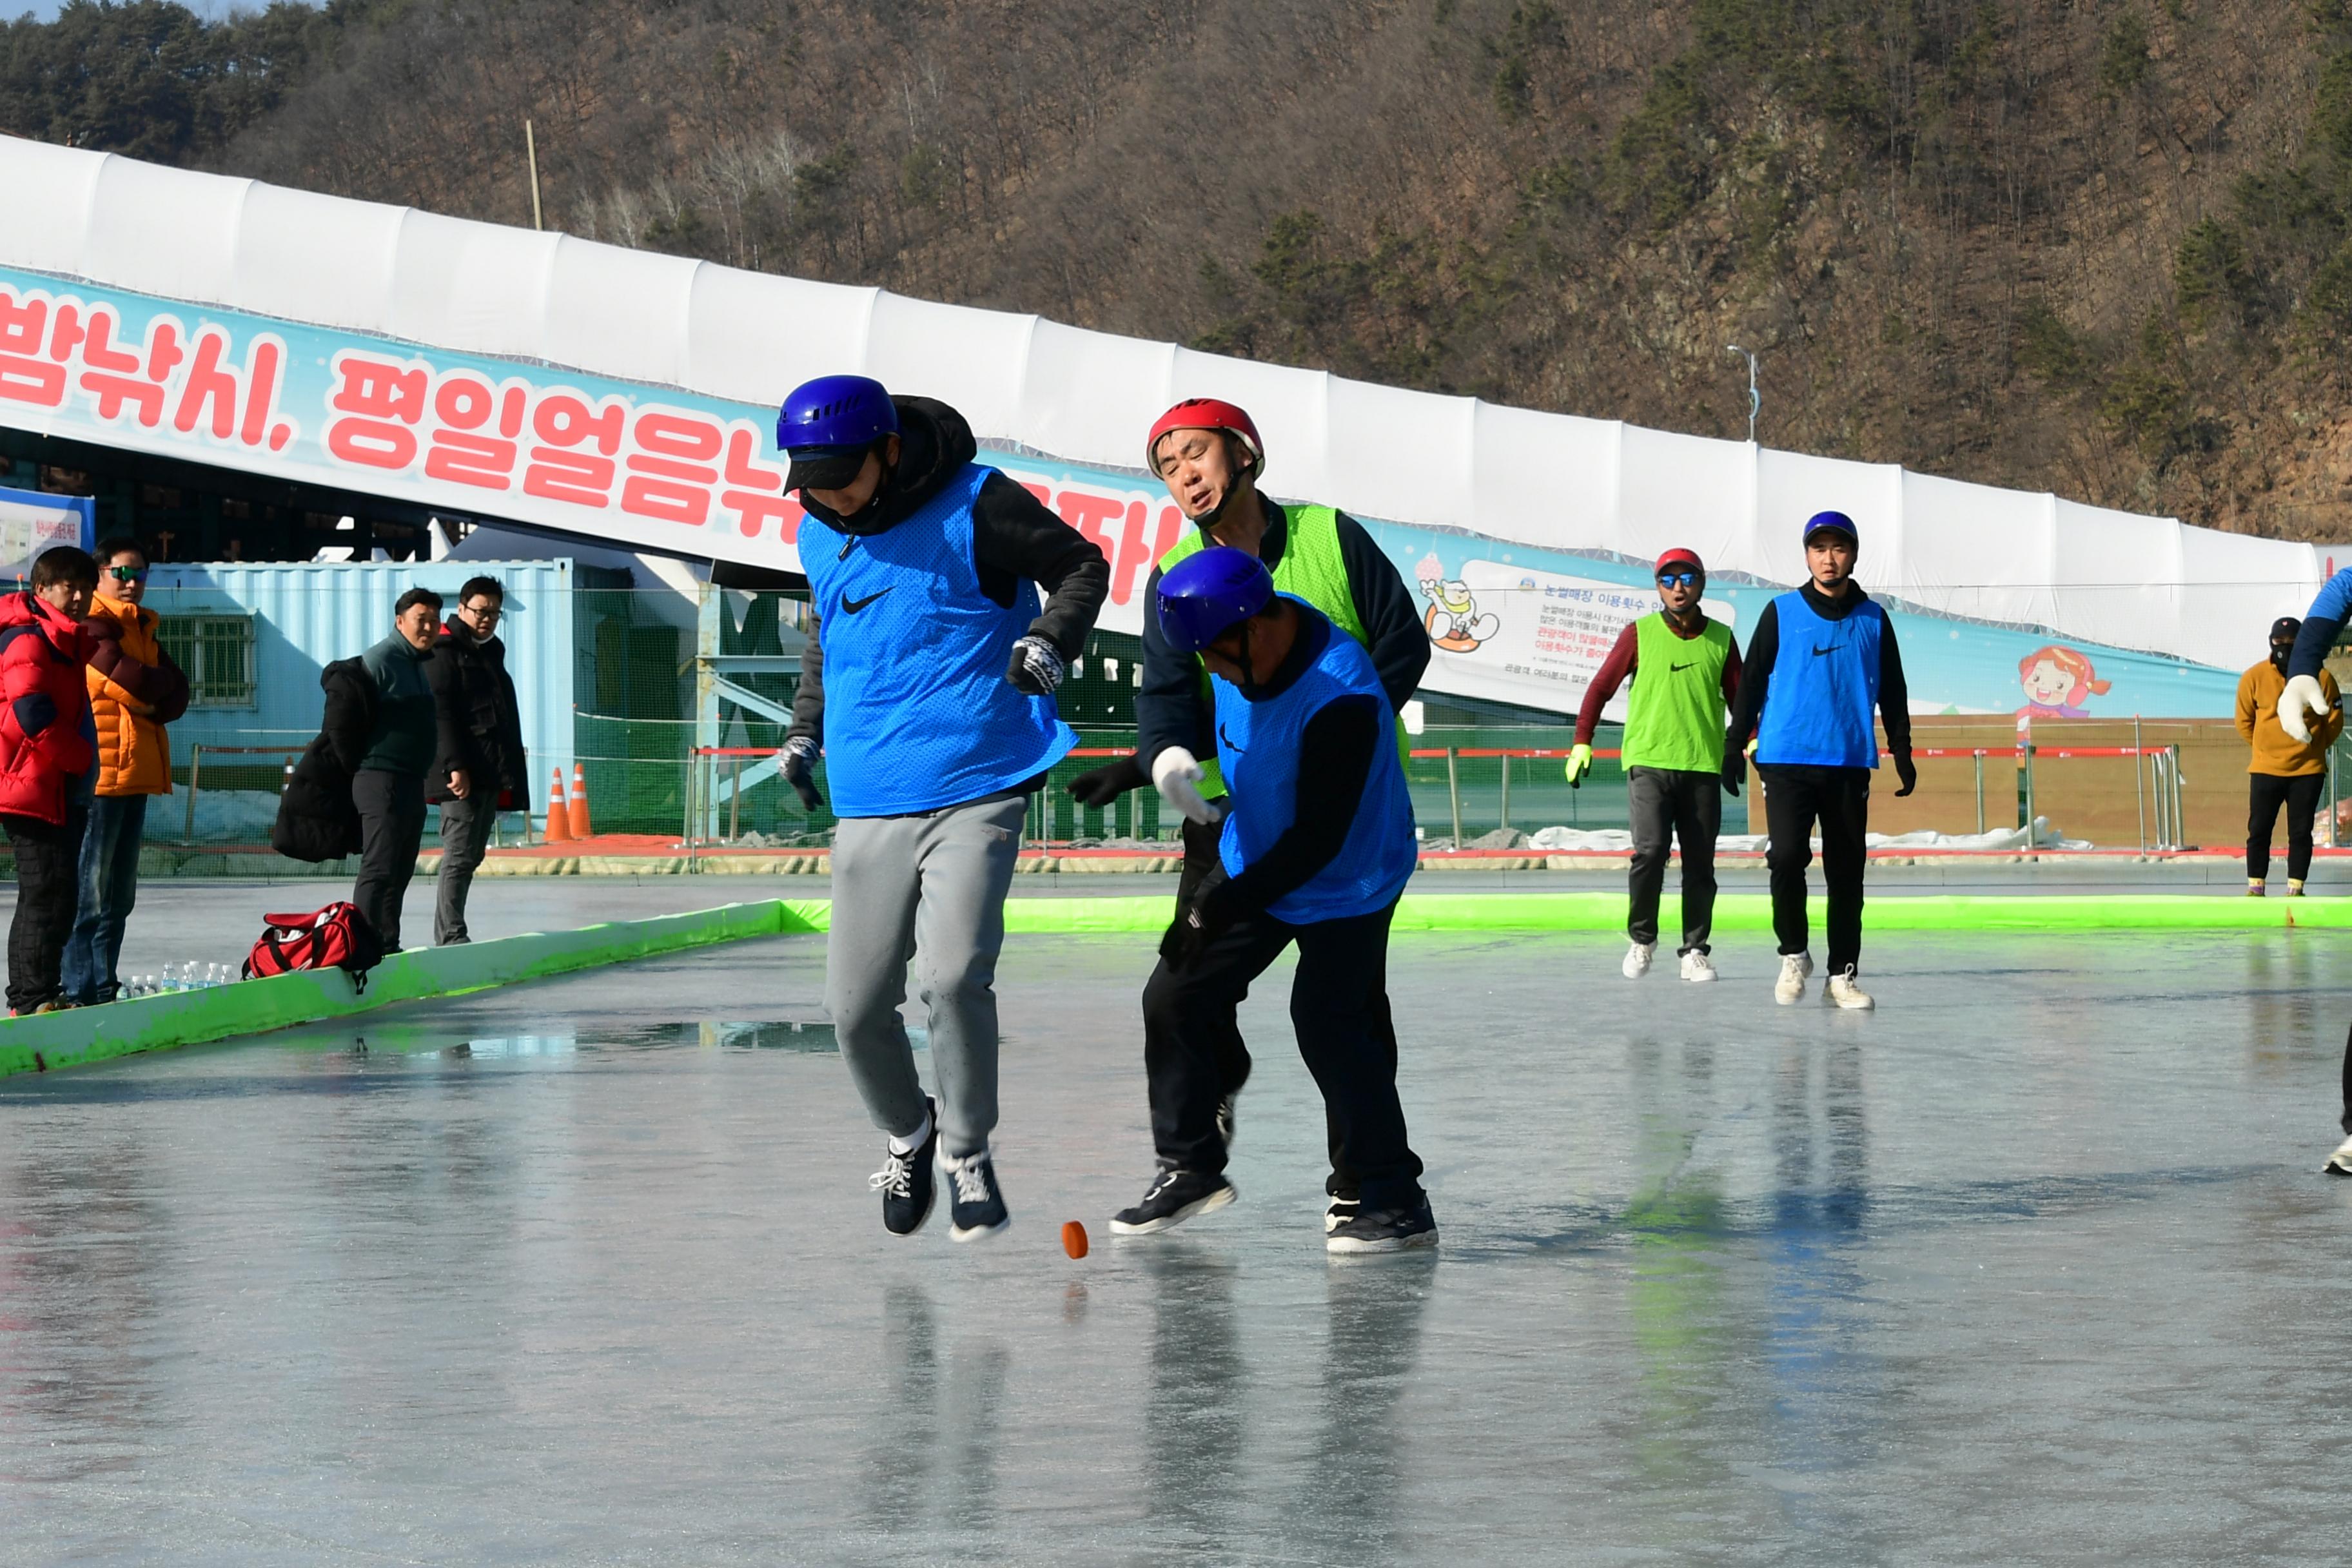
(2280,651)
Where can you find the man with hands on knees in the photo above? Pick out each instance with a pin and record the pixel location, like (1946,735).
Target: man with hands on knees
(1210,456)
(1315,848)
(1820,660)
(927,683)
(1686,672)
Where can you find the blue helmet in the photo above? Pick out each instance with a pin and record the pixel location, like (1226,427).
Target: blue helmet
(828,425)
(1206,594)
(1832,523)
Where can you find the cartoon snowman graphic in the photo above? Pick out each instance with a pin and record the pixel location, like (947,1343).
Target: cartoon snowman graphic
(1453,618)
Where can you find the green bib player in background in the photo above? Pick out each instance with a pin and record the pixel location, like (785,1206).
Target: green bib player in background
(1686,672)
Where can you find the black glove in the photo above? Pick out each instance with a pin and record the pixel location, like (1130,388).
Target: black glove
(1211,912)
(1104,786)
(1036,667)
(1908,772)
(798,768)
(1734,769)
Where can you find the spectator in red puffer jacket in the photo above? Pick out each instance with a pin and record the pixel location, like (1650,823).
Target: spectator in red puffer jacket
(46,746)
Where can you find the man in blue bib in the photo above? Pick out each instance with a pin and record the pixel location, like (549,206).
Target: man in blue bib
(1316,846)
(928,685)
(1822,660)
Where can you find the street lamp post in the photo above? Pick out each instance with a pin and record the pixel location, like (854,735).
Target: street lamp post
(1755,398)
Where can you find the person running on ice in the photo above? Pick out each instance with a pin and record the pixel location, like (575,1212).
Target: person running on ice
(1821,659)
(1315,849)
(2304,699)
(1209,455)
(928,684)
(1685,670)
(2282,772)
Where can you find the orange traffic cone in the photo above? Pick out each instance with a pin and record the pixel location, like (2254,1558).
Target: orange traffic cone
(559,815)
(580,828)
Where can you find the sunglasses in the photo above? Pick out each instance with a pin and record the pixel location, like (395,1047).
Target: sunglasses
(1676,579)
(128,574)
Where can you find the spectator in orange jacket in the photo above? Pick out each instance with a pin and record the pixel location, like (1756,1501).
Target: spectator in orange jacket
(45,752)
(134,690)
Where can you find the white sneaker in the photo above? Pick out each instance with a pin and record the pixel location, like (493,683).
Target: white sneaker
(1696,966)
(1637,959)
(1846,993)
(1796,968)
(2340,1163)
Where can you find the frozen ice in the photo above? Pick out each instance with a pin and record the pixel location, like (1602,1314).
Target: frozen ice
(2033,1264)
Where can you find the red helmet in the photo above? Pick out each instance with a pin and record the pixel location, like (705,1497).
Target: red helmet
(1678,556)
(1205,414)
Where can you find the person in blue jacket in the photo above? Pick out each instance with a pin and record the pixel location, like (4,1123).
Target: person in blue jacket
(1316,846)
(928,687)
(1821,661)
(2303,700)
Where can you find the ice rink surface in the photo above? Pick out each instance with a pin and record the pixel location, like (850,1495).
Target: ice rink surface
(2033,1265)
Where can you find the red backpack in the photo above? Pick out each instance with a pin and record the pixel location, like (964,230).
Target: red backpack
(337,937)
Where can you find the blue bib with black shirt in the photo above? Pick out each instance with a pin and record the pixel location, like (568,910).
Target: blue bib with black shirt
(918,713)
(1257,749)
(1823,698)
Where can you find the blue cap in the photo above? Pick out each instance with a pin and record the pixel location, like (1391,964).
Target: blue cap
(1206,594)
(1831,522)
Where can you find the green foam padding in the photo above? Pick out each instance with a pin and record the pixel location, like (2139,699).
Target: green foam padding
(1605,912)
(256,1006)
(51,1040)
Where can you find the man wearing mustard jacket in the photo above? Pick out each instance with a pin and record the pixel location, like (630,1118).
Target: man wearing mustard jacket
(135,689)
(2283,770)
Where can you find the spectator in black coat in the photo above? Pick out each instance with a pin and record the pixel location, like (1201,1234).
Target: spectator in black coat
(480,728)
(316,818)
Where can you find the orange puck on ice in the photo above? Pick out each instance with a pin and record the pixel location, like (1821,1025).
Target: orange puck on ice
(1074,1238)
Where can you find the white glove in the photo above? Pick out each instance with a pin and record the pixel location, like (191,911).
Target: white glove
(2301,698)
(1174,772)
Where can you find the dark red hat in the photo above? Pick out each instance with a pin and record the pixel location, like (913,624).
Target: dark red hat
(1678,556)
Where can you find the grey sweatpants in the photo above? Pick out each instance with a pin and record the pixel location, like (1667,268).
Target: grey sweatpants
(930,889)
(466,826)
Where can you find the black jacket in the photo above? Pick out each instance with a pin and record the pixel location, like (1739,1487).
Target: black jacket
(477,723)
(1014,538)
(1168,709)
(316,818)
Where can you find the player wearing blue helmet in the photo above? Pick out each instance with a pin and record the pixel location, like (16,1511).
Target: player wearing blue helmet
(927,685)
(1315,848)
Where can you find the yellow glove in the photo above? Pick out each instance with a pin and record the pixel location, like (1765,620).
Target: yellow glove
(1579,762)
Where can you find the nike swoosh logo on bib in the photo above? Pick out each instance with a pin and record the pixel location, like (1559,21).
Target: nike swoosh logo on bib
(1678,668)
(851,607)
(1817,652)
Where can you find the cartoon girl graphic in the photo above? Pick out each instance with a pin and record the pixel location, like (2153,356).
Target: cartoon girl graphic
(2056,680)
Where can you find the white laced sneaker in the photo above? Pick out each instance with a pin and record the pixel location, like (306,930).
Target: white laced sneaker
(2340,1163)
(1637,959)
(1844,992)
(1796,968)
(1697,966)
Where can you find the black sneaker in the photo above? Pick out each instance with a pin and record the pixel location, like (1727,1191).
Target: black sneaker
(976,1205)
(1175,1197)
(1343,1208)
(1384,1230)
(1227,1122)
(905,1181)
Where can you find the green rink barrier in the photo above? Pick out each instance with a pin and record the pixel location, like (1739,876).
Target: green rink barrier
(47,1041)
(1605,912)
(54,1040)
